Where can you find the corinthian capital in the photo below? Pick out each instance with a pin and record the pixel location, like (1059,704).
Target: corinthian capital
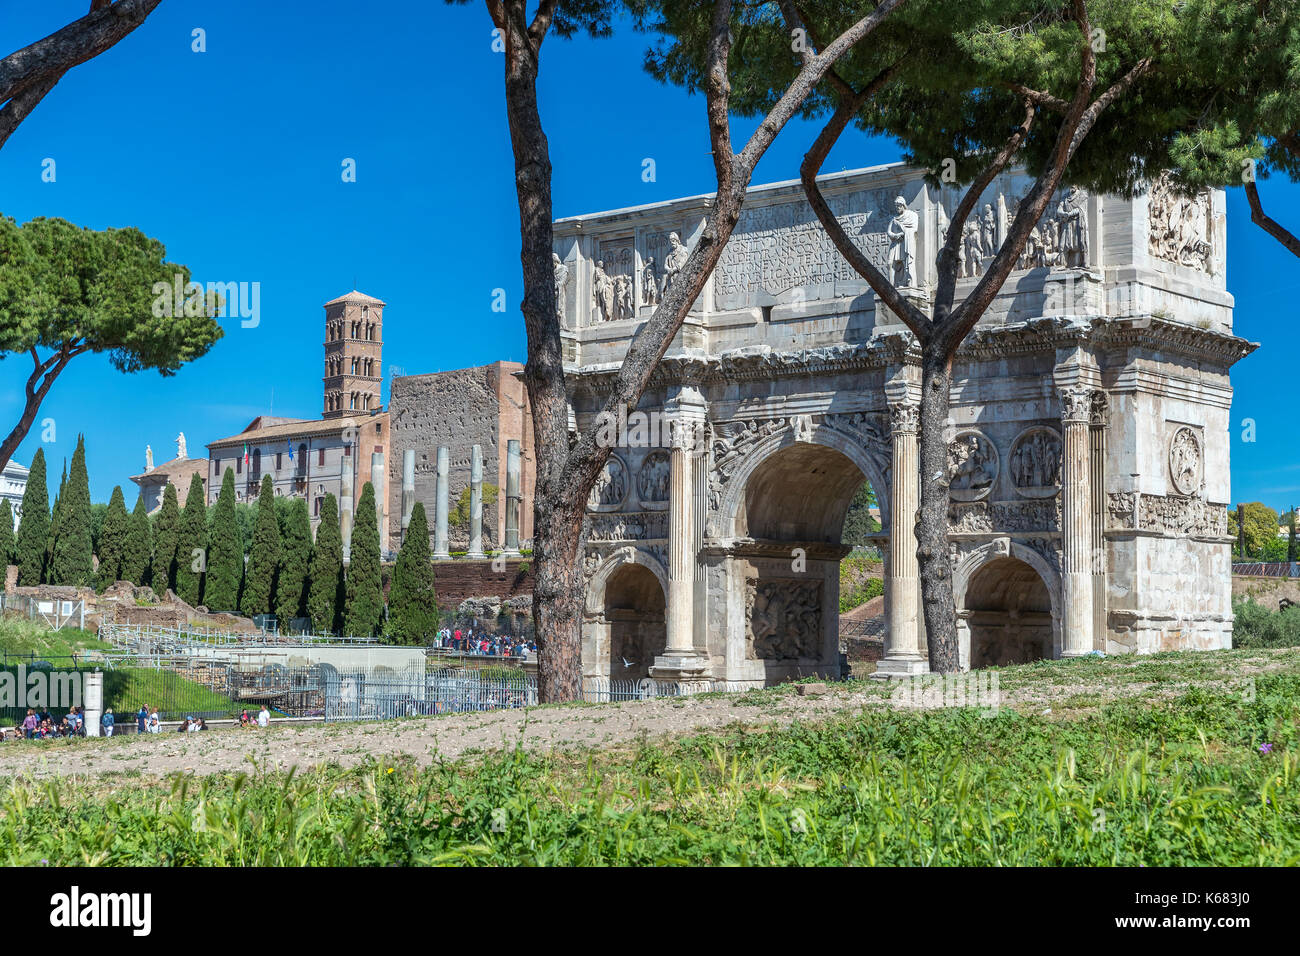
(1100,411)
(1076,404)
(904,417)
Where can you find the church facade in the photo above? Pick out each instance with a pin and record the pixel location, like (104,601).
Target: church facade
(1089,434)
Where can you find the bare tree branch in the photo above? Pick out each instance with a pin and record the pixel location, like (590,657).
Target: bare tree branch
(1267,223)
(20,107)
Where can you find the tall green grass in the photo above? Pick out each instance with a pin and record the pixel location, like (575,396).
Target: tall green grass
(1178,782)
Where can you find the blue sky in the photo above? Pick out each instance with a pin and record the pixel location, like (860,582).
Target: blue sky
(232,158)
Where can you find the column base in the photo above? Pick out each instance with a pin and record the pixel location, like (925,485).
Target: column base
(441,556)
(900,667)
(684,667)
(475,554)
(510,553)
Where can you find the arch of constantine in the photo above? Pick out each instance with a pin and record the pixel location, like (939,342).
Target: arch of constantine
(1089,430)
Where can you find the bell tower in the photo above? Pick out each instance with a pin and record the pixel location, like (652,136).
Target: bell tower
(354,325)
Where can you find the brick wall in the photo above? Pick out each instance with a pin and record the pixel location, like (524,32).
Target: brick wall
(457,580)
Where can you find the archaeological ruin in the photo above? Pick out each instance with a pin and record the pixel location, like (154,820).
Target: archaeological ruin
(1089,430)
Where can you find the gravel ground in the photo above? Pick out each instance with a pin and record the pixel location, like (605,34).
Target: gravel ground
(1056,691)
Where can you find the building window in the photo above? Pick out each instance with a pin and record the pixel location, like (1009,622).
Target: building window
(239,466)
(279,460)
(321,459)
(347,450)
(257,461)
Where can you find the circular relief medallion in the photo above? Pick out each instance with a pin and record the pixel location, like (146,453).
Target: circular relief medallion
(1186,463)
(652,481)
(610,490)
(972,466)
(1035,463)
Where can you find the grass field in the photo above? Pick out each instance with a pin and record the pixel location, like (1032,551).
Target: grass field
(1154,761)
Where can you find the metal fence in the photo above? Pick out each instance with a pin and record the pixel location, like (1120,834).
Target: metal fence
(58,613)
(1275,569)
(361,696)
(158,639)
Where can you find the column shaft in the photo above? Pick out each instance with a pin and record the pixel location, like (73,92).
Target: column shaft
(902,581)
(476,502)
(681,555)
(512,496)
(1076,524)
(441,491)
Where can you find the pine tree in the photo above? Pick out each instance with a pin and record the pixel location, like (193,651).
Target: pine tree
(365,606)
(73,562)
(295,561)
(225,551)
(263,556)
(34,528)
(192,544)
(112,540)
(138,554)
(7,549)
(1292,550)
(166,538)
(412,603)
(325,596)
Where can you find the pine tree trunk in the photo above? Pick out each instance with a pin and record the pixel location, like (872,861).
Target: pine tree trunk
(935,564)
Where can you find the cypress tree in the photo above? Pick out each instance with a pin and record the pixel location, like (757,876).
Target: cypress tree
(73,561)
(166,538)
(225,551)
(1292,550)
(138,554)
(56,518)
(112,540)
(412,603)
(34,528)
(263,555)
(295,561)
(6,532)
(325,597)
(365,607)
(192,544)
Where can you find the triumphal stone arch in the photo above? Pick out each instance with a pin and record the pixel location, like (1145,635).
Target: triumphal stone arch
(1088,457)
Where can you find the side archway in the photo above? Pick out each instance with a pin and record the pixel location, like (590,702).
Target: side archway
(1008,601)
(625,618)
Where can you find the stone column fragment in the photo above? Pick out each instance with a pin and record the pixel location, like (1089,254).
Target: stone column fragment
(377,482)
(440,552)
(345,502)
(512,497)
(408,488)
(476,502)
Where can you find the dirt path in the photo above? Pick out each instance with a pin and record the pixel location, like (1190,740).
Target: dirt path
(1060,692)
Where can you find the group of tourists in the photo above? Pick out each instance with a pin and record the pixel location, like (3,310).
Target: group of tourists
(42,725)
(486,645)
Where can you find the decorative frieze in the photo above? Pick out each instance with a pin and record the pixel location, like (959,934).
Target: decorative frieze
(784,619)
(1171,516)
(1179,225)
(990,517)
(628,526)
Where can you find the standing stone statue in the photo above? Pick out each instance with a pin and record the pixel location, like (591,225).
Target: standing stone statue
(674,262)
(1071,214)
(649,287)
(148,458)
(902,244)
(180,446)
(602,288)
(561,280)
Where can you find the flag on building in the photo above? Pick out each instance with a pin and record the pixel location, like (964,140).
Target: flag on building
(245,454)
(290,444)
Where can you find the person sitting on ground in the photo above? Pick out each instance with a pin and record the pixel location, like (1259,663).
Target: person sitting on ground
(141,718)
(244,719)
(203,724)
(191,725)
(183,726)
(77,717)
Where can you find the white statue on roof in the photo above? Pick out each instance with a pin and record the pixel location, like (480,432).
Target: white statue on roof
(180,446)
(148,458)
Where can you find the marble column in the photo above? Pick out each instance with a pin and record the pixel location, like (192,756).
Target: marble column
(1097,440)
(408,488)
(440,552)
(1076,523)
(512,497)
(902,575)
(476,502)
(345,504)
(377,483)
(680,660)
